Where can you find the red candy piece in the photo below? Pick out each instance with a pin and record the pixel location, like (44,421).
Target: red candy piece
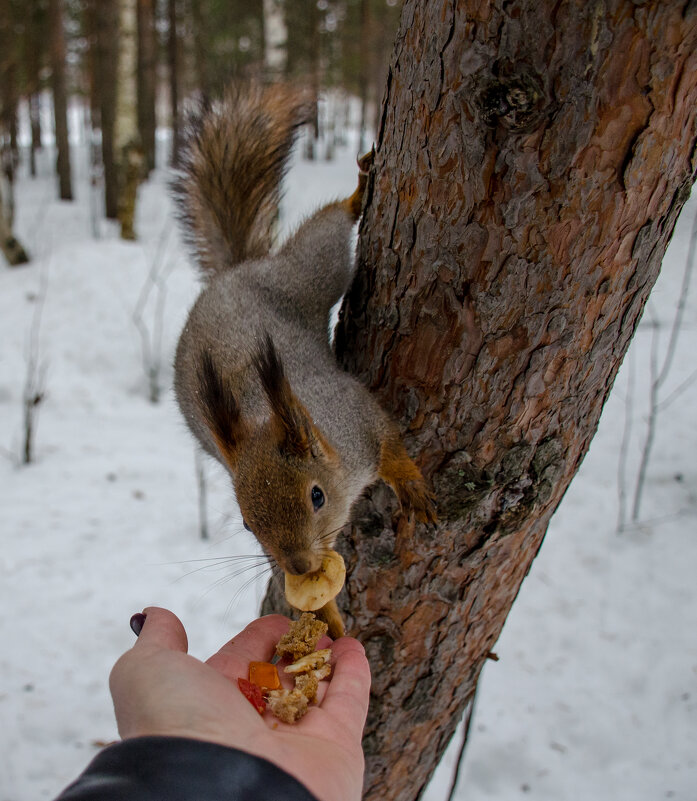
(253,694)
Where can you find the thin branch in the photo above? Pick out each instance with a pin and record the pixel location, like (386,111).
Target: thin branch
(682,302)
(651,426)
(658,377)
(34,383)
(657,521)
(624,447)
(151,344)
(469,714)
(678,391)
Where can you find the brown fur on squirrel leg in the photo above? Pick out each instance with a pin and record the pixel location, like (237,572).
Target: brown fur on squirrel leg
(400,472)
(354,204)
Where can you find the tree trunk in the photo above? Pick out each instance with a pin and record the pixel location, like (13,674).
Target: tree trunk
(60,99)
(9,55)
(105,19)
(128,149)
(275,39)
(34,32)
(173,62)
(363,77)
(10,247)
(532,159)
(313,134)
(147,80)
(200,40)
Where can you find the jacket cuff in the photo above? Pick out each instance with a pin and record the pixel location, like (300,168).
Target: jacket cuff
(180,769)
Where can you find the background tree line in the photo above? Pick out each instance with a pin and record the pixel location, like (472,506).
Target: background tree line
(128,66)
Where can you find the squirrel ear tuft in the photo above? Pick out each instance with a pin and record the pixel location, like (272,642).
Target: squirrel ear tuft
(221,411)
(291,423)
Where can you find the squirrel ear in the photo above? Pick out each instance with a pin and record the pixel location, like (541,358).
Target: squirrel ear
(290,421)
(221,412)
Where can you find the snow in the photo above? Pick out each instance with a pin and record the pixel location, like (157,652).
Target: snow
(595,691)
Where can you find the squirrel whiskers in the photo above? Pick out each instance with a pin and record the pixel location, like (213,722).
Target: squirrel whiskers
(255,376)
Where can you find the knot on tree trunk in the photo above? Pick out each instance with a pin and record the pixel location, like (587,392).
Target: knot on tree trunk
(512,95)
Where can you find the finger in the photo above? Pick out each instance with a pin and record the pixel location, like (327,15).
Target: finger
(162,629)
(347,695)
(257,642)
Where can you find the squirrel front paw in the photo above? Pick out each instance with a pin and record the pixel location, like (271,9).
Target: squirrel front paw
(354,203)
(400,472)
(416,497)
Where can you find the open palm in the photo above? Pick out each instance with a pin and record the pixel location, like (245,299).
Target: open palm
(158,689)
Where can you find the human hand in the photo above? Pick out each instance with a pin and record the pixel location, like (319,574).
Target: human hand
(158,689)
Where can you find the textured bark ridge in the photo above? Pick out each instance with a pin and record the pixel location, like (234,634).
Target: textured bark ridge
(531,163)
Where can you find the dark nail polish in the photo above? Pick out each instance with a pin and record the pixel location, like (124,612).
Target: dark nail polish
(137,623)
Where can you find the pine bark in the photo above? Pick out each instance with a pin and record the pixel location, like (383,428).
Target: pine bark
(532,159)
(60,98)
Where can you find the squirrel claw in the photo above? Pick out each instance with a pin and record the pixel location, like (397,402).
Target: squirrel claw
(365,162)
(354,204)
(415,497)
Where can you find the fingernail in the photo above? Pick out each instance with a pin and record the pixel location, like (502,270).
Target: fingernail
(137,623)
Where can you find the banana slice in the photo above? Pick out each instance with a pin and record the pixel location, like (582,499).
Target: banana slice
(313,590)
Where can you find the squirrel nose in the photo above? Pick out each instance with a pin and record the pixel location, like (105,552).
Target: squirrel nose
(299,563)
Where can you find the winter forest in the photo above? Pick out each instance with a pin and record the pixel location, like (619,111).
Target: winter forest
(525,261)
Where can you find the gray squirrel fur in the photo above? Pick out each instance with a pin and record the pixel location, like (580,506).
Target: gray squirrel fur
(255,377)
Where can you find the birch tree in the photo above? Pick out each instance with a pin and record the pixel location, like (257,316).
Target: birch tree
(275,38)
(128,149)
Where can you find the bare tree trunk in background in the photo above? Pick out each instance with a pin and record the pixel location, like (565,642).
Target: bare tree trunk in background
(312,141)
(60,99)
(363,75)
(173,62)
(35,123)
(200,37)
(147,80)
(530,167)
(9,56)
(275,39)
(128,149)
(103,60)
(9,245)
(34,32)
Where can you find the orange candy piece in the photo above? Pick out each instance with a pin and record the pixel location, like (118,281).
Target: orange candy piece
(264,675)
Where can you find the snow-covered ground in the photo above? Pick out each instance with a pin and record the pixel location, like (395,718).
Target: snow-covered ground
(595,693)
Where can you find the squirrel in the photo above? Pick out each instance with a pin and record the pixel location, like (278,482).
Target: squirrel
(255,375)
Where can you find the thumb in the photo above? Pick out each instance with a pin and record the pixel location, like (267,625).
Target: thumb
(162,629)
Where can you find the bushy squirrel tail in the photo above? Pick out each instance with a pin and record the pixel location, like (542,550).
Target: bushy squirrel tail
(232,163)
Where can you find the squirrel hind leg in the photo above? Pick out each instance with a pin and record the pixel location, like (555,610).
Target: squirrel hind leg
(399,471)
(354,203)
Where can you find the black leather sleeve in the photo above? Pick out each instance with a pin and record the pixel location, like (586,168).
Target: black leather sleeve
(178,769)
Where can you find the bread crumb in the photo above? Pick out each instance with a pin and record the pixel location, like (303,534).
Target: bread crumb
(310,662)
(302,637)
(288,705)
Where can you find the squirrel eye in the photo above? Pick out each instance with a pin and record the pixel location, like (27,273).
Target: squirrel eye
(317,498)
(244,523)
